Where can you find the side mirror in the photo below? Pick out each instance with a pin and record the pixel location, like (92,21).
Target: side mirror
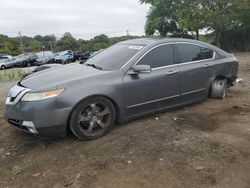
(142,69)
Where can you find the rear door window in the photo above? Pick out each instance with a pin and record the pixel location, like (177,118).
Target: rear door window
(190,53)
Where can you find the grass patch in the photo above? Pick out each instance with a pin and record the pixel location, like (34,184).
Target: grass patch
(11,75)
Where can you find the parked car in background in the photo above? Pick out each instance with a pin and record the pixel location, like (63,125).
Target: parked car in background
(78,55)
(5,57)
(26,60)
(43,67)
(46,57)
(86,55)
(64,57)
(92,54)
(7,63)
(128,80)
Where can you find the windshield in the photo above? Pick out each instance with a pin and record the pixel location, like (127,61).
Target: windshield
(115,57)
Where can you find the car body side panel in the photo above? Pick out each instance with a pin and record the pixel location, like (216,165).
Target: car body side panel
(155,90)
(109,86)
(195,80)
(228,68)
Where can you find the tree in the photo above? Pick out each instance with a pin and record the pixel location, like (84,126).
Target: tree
(191,17)
(162,17)
(238,37)
(220,15)
(184,16)
(3,38)
(156,22)
(101,38)
(11,47)
(36,45)
(49,42)
(39,38)
(67,42)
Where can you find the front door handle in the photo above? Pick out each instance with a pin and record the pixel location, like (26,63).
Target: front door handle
(171,72)
(207,65)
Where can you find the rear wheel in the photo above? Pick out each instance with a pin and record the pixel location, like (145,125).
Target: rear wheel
(93,118)
(219,89)
(3,67)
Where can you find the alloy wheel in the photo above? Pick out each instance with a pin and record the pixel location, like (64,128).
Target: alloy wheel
(94,119)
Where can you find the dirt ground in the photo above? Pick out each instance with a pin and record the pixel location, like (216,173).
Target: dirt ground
(205,145)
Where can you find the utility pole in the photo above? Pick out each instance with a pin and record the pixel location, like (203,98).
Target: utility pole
(128,33)
(51,46)
(51,43)
(21,41)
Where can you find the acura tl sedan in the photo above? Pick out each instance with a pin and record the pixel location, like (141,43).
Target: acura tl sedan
(126,81)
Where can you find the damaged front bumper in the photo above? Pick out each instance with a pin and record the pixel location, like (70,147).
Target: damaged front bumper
(45,118)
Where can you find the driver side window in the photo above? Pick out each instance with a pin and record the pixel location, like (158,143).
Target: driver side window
(159,57)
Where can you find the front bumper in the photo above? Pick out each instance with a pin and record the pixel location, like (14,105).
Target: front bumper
(26,126)
(46,118)
(59,61)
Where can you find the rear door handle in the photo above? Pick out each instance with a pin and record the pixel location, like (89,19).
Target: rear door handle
(171,72)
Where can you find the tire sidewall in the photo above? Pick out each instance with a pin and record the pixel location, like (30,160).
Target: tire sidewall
(73,123)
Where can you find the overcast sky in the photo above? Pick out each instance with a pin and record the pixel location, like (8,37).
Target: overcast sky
(82,18)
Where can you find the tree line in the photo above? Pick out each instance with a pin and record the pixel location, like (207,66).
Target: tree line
(225,23)
(11,45)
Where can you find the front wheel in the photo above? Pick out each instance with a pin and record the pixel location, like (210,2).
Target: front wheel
(3,67)
(93,118)
(219,88)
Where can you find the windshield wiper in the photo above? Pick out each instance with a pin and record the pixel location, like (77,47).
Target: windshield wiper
(94,66)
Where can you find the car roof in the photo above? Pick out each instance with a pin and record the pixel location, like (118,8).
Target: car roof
(142,41)
(158,41)
(149,41)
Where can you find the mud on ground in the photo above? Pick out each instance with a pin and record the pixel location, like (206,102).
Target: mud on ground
(205,145)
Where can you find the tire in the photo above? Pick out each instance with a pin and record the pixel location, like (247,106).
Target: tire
(28,64)
(219,89)
(3,67)
(92,118)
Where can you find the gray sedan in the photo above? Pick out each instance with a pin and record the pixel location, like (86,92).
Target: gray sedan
(7,63)
(128,80)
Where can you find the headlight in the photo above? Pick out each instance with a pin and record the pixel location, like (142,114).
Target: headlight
(28,97)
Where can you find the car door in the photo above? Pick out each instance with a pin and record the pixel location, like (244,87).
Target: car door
(155,90)
(196,70)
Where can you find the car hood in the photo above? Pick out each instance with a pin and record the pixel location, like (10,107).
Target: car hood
(62,57)
(54,77)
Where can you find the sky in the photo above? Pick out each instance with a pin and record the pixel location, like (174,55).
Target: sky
(82,18)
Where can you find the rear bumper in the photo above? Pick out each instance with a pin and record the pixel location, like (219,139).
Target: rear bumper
(232,81)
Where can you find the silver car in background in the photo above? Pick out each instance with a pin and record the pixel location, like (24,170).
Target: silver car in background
(7,63)
(46,57)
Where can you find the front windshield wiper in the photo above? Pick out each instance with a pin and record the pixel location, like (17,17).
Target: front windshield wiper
(94,66)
